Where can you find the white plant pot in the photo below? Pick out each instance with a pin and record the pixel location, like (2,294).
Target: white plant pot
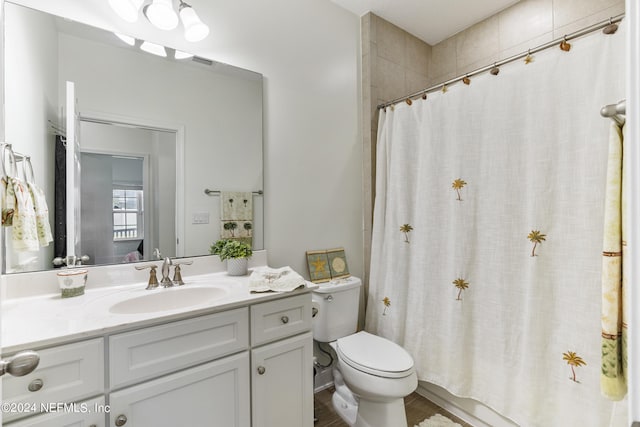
(237,266)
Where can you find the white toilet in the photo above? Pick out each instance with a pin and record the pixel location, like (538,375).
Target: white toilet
(372,375)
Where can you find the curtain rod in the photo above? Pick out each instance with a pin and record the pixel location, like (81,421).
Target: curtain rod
(574,35)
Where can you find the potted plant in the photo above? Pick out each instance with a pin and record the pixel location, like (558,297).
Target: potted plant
(235,252)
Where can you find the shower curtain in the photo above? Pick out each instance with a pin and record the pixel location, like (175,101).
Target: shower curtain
(487,236)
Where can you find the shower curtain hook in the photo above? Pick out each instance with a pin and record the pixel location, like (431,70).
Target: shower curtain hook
(528,59)
(611,28)
(495,70)
(564,45)
(466,80)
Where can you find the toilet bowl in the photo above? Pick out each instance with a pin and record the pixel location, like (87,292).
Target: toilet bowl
(372,375)
(380,374)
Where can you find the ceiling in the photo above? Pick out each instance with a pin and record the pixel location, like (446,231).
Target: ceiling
(429,20)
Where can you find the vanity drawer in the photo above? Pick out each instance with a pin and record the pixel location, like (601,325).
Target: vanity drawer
(150,352)
(281,318)
(67,373)
(86,413)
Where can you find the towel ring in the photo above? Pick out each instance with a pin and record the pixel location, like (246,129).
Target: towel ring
(27,171)
(6,150)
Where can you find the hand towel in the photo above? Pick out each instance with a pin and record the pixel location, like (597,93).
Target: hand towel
(282,279)
(42,214)
(8,202)
(25,231)
(236,215)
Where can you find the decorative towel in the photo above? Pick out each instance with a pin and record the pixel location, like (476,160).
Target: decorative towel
(8,202)
(42,214)
(25,231)
(236,216)
(614,327)
(282,279)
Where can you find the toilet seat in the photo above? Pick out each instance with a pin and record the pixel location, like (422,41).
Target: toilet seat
(374,355)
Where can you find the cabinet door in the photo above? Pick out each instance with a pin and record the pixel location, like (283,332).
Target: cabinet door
(215,394)
(90,413)
(282,383)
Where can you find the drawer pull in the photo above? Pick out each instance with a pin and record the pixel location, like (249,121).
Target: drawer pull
(35,385)
(21,364)
(121,420)
(261,370)
(285,319)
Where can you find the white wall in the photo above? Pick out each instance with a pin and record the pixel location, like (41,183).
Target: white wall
(34,86)
(308,52)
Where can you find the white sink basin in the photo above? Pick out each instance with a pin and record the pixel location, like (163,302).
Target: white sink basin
(168,299)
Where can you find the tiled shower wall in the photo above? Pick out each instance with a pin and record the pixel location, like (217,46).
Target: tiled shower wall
(395,63)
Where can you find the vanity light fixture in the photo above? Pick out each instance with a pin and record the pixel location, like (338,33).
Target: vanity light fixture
(194,29)
(126,9)
(161,14)
(153,48)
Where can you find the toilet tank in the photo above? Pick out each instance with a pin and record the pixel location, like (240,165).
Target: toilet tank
(337,303)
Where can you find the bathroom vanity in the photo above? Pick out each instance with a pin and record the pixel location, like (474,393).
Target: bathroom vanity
(240,359)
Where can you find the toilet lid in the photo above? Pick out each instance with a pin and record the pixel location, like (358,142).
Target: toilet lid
(375,355)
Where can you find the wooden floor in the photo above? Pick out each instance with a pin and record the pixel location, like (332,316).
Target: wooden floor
(418,408)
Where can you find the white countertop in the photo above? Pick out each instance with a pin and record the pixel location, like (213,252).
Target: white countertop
(45,320)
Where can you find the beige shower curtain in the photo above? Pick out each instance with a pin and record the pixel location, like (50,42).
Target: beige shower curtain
(487,237)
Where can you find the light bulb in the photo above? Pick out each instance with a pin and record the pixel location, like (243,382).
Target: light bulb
(126,9)
(161,14)
(194,29)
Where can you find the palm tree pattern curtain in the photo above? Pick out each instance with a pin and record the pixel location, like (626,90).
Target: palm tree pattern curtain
(487,236)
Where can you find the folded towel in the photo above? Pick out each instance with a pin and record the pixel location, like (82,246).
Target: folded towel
(282,279)
(42,214)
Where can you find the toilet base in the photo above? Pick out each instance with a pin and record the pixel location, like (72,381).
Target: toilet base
(347,410)
(381,414)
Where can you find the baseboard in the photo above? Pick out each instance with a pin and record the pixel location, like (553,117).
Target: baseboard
(468,410)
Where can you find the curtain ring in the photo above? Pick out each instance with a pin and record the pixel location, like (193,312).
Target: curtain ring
(528,59)
(466,80)
(495,70)
(611,28)
(564,45)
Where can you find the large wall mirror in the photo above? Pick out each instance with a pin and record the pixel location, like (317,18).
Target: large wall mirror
(153,133)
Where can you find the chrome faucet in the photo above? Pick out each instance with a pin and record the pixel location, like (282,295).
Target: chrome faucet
(166,267)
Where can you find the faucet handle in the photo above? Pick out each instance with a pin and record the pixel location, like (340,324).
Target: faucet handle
(177,275)
(153,278)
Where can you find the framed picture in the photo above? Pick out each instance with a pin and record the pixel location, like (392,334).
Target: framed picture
(318,263)
(338,263)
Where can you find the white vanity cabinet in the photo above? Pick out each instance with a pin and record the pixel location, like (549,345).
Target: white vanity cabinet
(214,394)
(88,413)
(196,394)
(66,373)
(282,363)
(247,366)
